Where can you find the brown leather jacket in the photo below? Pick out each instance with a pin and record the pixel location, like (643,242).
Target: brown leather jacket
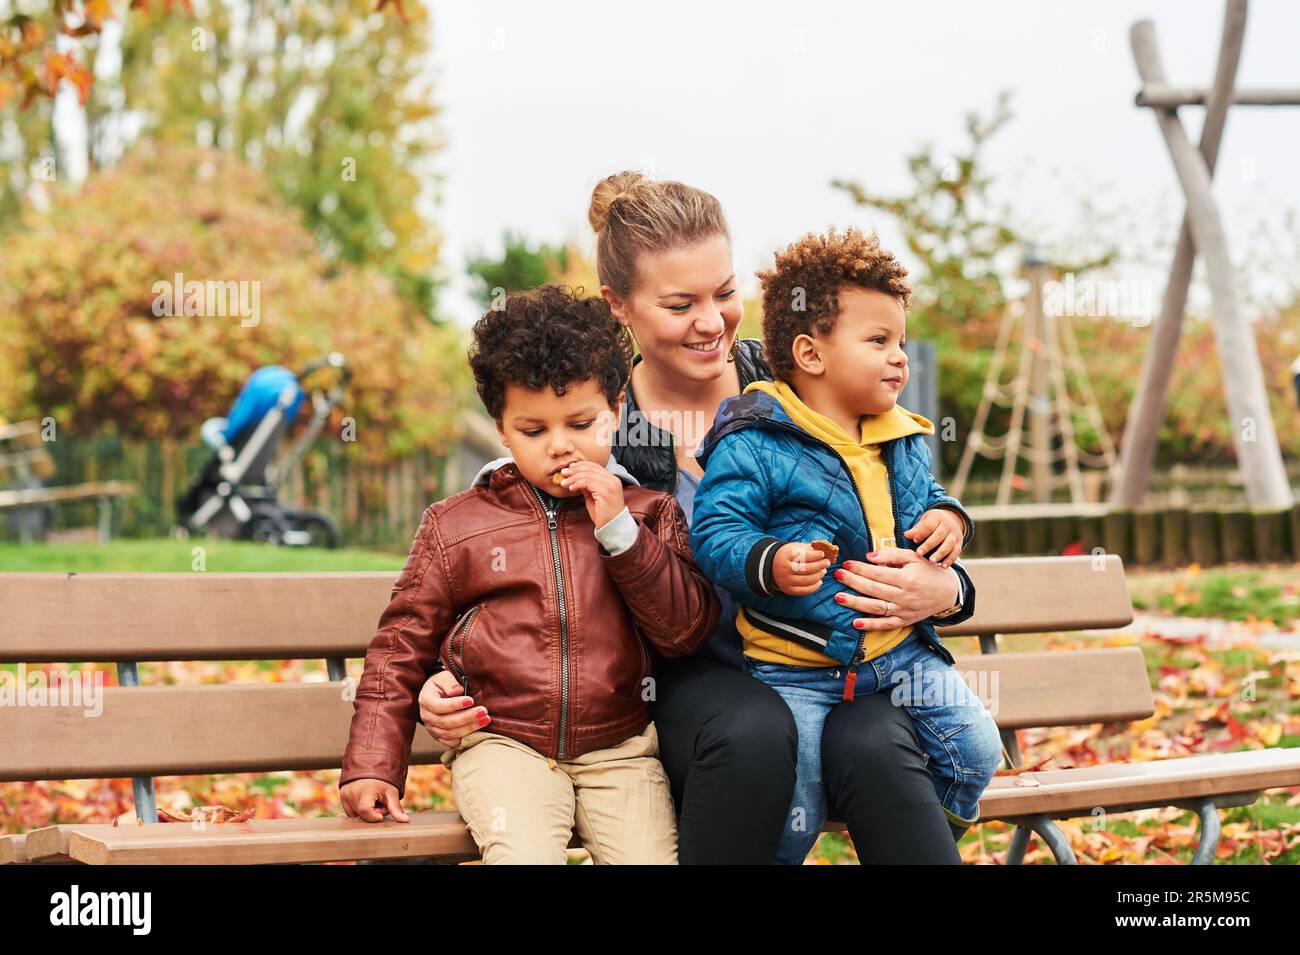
(509,588)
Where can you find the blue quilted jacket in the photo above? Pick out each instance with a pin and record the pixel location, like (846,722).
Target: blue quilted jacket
(767,481)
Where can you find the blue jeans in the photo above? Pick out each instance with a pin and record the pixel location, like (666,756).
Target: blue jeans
(960,740)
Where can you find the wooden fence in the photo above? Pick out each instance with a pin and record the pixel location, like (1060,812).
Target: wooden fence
(373,506)
(1165,537)
(381,506)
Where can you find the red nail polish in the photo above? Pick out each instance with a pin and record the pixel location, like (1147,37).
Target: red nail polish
(483,720)
(468,702)
(839,575)
(839,598)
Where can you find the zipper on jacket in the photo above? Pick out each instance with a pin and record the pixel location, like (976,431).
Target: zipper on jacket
(552,524)
(850,677)
(672,448)
(893,501)
(461,630)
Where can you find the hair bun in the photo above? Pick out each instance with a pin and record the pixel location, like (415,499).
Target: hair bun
(606,191)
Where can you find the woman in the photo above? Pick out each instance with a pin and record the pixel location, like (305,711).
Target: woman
(727,741)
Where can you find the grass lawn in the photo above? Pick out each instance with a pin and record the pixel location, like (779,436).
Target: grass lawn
(1231,592)
(164,554)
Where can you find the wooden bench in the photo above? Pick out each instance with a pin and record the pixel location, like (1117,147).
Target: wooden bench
(1072,688)
(151,731)
(25,462)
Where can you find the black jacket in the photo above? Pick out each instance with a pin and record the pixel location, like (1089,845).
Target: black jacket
(649,452)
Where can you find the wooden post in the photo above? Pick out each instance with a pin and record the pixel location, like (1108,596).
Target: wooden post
(1258,454)
(1040,403)
(1174,549)
(1171,97)
(1138,449)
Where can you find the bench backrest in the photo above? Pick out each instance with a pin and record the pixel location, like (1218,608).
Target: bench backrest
(249,727)
(23,453)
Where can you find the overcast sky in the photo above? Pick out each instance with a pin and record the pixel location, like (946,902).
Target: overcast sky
(763,103)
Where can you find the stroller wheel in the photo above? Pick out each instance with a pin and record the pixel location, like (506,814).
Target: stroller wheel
(264,529)
(321,528)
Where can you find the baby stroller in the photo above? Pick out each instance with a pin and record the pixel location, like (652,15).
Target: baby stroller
(234,495)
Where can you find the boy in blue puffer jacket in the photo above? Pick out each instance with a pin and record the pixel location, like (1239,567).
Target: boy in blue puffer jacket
(825,454)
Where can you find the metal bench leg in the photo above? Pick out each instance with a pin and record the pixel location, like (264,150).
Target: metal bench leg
(1011,748)
(1209,844)
(1019,843)
(105,519)
(1010,743)
(1051,835)
(146,807)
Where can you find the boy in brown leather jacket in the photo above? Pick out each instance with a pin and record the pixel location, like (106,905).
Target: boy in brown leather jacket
(540,607)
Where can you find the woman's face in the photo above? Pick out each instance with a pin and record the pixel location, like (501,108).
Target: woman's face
(684,310)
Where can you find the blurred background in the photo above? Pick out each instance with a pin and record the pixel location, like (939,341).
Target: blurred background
(375,173)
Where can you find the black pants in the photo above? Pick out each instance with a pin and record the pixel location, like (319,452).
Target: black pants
(729,745)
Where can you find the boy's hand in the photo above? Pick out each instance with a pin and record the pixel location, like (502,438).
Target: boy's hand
(602,491)
(799,569)
(368,798)
(939,530)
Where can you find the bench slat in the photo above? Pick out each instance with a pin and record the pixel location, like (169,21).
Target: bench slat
(186,730)
(264,841)
(1061,688)
(278,841)
(59,618)
(1117,787)
(1044,594)
(230,728)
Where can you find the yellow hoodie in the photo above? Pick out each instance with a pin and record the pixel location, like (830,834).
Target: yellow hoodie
(863,457)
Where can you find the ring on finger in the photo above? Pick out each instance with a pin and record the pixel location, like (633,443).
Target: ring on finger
(889,609)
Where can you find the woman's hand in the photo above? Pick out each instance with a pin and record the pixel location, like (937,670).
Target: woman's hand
(898,587)
(446,713)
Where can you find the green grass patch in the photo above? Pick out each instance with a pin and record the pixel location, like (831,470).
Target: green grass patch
(1229,593)
(835,848)
(159,555)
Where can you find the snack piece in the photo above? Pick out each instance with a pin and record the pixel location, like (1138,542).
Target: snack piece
(826,549)
(557,477)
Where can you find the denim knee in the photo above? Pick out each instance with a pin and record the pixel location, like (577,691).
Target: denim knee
(979,749)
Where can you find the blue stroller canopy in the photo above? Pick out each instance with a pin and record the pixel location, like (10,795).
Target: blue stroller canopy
(258,396)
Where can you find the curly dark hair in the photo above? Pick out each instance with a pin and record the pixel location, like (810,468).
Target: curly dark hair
(810,273)
(551,335)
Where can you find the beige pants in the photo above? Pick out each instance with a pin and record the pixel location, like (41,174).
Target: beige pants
(522,807)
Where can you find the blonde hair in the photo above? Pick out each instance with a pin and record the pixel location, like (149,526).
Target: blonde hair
(632,214)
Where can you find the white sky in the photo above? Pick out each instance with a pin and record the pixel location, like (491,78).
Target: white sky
(763,103)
